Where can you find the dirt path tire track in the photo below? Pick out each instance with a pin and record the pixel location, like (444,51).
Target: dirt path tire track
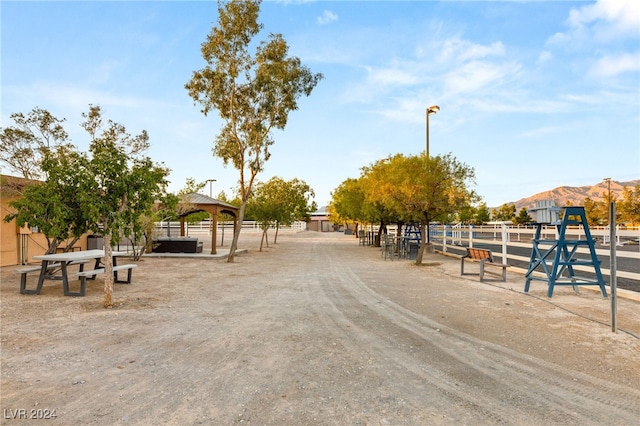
(474,379)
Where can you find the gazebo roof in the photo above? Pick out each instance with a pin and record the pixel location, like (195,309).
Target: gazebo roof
(199,202)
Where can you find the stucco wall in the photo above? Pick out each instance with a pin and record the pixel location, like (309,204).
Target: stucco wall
(17,243)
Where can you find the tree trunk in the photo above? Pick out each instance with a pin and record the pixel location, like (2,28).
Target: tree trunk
(71,244)
(236,233)
(263,239)
(52,247)
(423,244)
(108,271)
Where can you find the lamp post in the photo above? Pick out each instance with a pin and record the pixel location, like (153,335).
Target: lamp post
(608,195)
(613,262)
(431,110)
(210,186)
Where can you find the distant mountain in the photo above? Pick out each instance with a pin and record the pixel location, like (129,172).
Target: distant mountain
(575,194)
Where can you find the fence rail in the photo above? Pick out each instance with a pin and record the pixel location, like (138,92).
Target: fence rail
(514,245)
(199,228)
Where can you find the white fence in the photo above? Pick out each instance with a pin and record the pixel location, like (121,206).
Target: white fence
(204,228)
(515,244)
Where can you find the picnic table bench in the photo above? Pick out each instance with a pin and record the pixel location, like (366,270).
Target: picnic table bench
(50,267)
(484,257)
(83,275)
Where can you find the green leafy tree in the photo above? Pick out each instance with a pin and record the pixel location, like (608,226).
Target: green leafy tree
(523,217)
(252,93)
(295,203)
(37,147)
(600,209)
(347,202)
(53,205)
(123,184)
(596,211)
(263,210)
(483,215)
(25,144)
(421,188)
(279,202)
(376,208)
(109,192)
(506,212)
(630,205)
(466,214)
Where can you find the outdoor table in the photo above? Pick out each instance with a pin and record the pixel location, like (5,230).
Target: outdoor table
(64,259)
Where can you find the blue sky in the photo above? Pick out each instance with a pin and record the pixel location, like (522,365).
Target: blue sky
(533,95)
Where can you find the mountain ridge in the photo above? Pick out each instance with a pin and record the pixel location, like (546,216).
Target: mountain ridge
(575,195)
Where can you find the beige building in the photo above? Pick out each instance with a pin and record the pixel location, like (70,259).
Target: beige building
(19,245)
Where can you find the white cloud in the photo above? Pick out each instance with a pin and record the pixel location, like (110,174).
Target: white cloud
(603,21)
(476,75)
(391,76)
(620,16)
(327,17)
(457,50)
(609,66)
(410,110)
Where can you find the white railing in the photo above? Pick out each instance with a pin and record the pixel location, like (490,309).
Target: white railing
(515,242)
(204,227)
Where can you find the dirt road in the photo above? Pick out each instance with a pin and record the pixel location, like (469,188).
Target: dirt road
(317,330)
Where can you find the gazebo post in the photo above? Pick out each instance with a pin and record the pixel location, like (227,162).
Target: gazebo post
(214,231)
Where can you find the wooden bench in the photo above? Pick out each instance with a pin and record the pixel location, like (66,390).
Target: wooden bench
(51,266)
(484,257)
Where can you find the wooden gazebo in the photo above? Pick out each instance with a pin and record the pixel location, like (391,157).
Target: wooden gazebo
(192,203)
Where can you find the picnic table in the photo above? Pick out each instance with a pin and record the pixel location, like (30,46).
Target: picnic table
(55,267)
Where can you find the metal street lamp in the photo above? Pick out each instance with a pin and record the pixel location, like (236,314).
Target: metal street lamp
(210,185)
(613,259)
(431,110)
(608,195)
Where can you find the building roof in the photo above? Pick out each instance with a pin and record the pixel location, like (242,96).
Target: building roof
(195,198)
(322,211)
(195,202)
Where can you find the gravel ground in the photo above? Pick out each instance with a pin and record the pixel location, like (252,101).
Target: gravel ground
(317,330)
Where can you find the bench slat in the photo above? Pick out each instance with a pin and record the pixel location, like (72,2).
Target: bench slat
(49,266)
(101,270)
(92,274)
